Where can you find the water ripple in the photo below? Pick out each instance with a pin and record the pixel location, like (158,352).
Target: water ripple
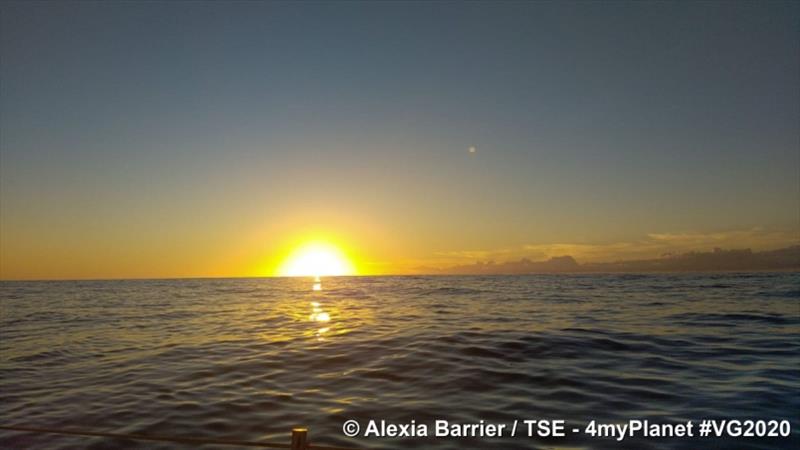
(250,358)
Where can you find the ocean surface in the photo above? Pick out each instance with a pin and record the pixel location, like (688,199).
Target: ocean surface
(248,359)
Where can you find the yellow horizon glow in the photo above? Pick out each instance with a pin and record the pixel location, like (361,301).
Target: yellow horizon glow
(316,259)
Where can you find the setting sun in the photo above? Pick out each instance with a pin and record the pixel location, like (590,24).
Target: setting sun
(316,260)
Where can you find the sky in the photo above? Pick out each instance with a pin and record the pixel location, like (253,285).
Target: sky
(183,139)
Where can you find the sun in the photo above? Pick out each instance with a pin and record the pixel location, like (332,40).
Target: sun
(316,259)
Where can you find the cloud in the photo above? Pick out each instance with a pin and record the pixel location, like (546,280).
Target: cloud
(476,254)
(652,245)
(754,237)
(661,244)
(716,260)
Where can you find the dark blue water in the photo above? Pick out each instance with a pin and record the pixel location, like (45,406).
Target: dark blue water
(250,358)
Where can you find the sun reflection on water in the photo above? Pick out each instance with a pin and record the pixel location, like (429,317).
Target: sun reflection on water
(322,315)
(317,286)
(319,315)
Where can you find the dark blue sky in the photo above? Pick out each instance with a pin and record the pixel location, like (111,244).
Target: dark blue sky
(148,122)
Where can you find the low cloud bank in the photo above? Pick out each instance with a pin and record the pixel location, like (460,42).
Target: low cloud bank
(716,260)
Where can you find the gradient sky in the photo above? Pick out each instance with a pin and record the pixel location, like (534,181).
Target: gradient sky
(207,139)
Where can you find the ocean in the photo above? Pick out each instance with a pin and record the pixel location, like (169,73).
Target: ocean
(248,359)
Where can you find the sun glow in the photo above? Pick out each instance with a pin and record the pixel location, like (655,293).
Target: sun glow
(316,260)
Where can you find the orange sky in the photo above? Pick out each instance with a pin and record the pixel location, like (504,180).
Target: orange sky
(137,143)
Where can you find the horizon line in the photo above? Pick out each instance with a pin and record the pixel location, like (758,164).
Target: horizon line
(397,275)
